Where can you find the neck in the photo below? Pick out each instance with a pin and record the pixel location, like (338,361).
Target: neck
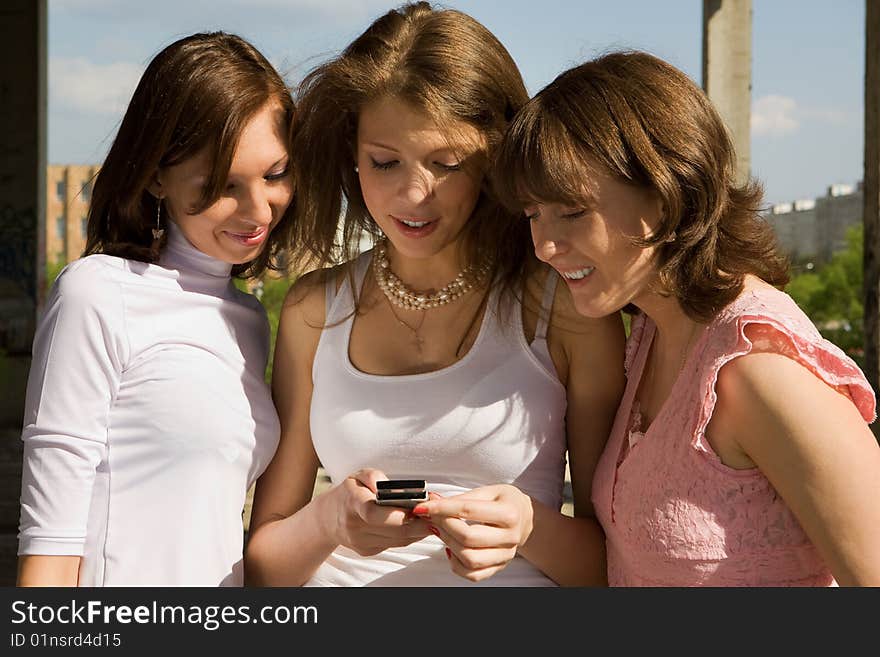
(180,254)
(675,329)
(426,274)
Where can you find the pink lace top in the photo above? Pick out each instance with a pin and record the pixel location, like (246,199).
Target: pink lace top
(673,513)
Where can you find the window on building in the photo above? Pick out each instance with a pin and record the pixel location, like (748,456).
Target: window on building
(59,190)
(60,227)
(84,226)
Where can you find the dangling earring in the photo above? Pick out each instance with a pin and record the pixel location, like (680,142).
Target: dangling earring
(672,237)
(158,231)
(356,170)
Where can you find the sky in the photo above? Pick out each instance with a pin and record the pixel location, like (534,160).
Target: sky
(807,63)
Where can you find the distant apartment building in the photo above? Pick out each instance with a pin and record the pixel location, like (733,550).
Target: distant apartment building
(68,193)
(815,229)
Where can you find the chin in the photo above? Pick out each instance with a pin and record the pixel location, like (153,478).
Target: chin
(594,308)
(420,250)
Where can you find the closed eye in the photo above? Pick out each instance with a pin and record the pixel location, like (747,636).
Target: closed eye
(449,167)
(382,166)
(574,214)
(271,177)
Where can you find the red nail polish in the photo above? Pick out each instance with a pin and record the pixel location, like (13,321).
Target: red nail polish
(420,510)
(448,554)
(434,530)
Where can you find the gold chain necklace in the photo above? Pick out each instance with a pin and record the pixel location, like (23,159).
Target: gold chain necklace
(400,295)
(418,340)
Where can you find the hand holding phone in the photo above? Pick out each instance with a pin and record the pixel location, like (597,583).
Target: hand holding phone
(401,492)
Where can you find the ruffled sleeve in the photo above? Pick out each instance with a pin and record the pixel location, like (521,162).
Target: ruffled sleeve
(781,327)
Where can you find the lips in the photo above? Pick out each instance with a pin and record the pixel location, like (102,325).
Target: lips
(251,238)
(415,226)
(575,276)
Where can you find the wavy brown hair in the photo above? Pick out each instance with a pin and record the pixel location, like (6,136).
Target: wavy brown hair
(199,92)
(645,122)
(442,62)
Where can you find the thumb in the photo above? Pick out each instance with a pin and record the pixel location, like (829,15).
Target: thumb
(368,477)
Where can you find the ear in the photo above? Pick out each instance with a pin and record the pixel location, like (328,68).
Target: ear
(155,187)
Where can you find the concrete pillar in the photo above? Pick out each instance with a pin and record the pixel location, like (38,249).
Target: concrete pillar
(23,54)
(727,70)
(871,188)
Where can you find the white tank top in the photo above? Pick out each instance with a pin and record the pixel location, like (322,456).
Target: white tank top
(495,416)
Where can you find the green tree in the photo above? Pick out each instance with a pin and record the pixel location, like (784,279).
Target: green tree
(271,293)
(832,296)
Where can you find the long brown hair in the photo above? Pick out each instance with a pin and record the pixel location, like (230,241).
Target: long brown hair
(645,122)
(442,62)
(199,92)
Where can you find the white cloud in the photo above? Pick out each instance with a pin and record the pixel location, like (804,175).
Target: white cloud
(777,116)
(774,116)
(82,85)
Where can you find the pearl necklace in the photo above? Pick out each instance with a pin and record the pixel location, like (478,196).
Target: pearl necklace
(401,296)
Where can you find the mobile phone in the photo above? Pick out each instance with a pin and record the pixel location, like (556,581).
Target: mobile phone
(401,492)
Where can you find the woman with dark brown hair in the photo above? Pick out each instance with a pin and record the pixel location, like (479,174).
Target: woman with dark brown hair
(147,413)
(740,454)
(442,354)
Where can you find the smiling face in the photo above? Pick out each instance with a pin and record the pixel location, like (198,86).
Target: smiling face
(590,243)
(415,184)
(258,190)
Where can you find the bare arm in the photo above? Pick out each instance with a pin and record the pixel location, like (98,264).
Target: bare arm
(287,540)
(571,551)
(43,570)
(812,444)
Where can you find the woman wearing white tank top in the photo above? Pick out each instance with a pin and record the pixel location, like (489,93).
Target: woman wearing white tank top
(445,353)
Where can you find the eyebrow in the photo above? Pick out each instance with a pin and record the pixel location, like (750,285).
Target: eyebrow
(381,145)
(450,148)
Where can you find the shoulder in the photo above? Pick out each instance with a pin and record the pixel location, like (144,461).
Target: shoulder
(768,344)
(302,320)
(305,302)
(93,282)
(91,271)
(765,400)
(308,292)
(573,330)
(587,345)
(760,303)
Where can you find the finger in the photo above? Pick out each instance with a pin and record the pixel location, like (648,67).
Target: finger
(386,514)
(482,492)
(460,533)
(368,477)
(479,573)
(477,510)
(481,559)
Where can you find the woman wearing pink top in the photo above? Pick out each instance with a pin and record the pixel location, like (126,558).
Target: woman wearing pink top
(740,454)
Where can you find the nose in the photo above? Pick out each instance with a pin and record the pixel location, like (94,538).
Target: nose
(255,205)
(549,242)
(417,186)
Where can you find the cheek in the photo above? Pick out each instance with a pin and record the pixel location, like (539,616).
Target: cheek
(461,193)
(211,219)
(373,193)
(283,196)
